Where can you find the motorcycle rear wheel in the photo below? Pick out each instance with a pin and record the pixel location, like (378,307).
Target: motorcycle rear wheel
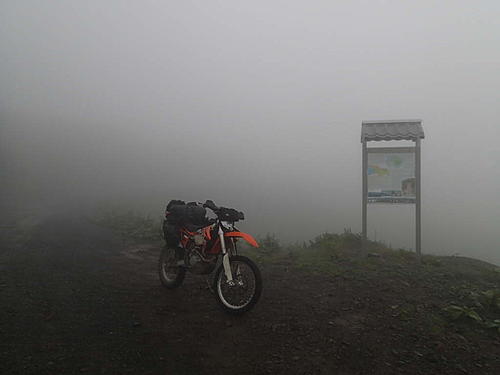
(171,275)
(241,295)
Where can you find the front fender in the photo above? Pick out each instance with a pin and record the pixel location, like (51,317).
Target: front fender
(245,236)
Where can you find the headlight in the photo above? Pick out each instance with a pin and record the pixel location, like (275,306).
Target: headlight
(227,225)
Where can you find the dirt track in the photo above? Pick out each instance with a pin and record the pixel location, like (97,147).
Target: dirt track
(78,300)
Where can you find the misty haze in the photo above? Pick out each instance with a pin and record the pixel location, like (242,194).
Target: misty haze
(109,110)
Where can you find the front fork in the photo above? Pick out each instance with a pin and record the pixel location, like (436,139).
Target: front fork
(225,258)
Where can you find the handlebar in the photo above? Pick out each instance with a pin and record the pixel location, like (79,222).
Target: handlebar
(224,213)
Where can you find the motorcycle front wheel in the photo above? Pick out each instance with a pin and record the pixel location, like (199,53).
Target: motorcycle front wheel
(243,292)
(171,275)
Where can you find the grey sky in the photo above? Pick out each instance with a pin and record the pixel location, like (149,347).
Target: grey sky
(256,104)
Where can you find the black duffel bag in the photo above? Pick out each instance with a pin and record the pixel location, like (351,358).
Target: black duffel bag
(178,214)
(175,211)
(195,214)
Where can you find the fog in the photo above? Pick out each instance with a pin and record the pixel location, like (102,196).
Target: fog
(257,105)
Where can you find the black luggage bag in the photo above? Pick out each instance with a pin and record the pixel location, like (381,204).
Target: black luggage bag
(177,214)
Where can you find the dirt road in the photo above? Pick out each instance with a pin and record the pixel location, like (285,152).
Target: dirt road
(75,299)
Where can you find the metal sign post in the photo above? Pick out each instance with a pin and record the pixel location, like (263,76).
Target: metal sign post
(418,217)
(391,175)
(365,193)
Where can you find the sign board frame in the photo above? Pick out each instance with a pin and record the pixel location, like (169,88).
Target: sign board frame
(417,151)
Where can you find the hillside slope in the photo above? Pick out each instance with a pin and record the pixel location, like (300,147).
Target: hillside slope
(77,298)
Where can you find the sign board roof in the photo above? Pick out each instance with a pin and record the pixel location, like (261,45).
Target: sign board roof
(391,130)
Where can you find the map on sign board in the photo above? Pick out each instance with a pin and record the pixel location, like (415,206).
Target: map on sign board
(391,177)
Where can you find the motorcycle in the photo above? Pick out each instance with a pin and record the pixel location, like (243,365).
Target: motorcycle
(237,282)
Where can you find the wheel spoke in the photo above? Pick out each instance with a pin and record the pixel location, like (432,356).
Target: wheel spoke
(238,294)
(171,275)
(169,266)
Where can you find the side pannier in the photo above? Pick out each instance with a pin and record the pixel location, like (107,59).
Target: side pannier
(174,216)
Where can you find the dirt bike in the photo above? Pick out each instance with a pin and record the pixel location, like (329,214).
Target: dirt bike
(237,282)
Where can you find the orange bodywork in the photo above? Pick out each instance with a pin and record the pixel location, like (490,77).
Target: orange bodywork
(215,248)
(207,233)
(186,236)
(245,236)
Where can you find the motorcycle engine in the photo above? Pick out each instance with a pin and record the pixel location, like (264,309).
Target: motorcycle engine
(198,263)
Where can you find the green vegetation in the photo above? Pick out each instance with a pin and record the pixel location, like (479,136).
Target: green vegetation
(328,253)
(269,243)
(457,312)
(482,308)
(131,225)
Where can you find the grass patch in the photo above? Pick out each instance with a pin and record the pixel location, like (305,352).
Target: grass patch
(131,225)
(329,253)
